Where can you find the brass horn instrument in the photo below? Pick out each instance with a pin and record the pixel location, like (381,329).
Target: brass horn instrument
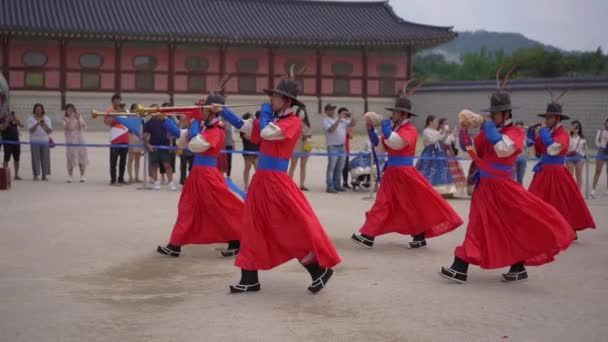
(97,113)
(179,110)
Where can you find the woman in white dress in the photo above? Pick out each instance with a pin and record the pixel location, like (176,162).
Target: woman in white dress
(576,152)
(601,141)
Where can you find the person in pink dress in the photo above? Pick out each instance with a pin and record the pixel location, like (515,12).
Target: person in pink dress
(278,223)
(508,226)
(74,125)
(552,182)
(406,202)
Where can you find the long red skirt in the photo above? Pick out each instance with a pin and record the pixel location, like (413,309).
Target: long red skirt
(407,204)
(208,212)
(508,224)
(279,225)
(556,186)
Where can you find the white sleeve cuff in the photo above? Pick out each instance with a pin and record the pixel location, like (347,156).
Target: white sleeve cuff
(554,149)
(395,142)
(505,147)
(182,141)
(272,132)
(198,144)
(247,128)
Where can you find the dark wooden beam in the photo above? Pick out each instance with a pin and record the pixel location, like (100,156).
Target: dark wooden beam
(171,80)
(118,66)
(270,67)
(62,70)
(318,75)
(365,75)
(6,41)
(408,64)
(222,60)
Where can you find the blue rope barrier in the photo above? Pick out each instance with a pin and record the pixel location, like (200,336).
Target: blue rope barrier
(296,154)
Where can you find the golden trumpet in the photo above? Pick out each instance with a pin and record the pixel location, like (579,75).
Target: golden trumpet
(183,110)
(97,113)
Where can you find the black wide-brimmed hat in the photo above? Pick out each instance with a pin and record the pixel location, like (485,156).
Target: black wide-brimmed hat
(217,96)
(288,87)
(500,101)
(555,108)
(403,103)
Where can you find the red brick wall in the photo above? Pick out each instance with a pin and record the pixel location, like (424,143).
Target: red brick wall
(281,56)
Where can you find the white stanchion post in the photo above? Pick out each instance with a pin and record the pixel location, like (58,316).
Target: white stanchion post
(145,165)
(587,177)
(373,178)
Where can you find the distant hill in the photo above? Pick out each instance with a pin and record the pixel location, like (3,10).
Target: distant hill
(473,41)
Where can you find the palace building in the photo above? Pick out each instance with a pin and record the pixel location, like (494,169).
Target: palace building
(83,51)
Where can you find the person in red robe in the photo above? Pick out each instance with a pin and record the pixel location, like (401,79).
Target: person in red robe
(552,182)
(207,206)
(278,222)
(406,203)
(508,226)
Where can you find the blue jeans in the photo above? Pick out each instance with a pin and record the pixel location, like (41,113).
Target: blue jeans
(520,169)
(335,165)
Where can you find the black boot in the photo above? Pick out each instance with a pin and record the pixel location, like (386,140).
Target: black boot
(363,240)
(233,249)
(249,282)
(517,272)
(320,276)
(457,272)
(170,250)
(418,241)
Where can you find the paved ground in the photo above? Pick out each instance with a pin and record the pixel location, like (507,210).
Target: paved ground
(77,263)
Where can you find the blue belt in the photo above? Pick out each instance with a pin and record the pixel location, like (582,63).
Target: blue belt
(498,167)
(400,161)
(200,160)
(269,163)
(549,160)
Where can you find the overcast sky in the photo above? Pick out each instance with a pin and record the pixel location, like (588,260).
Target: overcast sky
(567,24)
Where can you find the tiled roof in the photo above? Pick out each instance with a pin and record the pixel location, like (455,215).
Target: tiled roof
(283,22)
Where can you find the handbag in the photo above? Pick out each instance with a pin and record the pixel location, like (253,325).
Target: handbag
(307,147)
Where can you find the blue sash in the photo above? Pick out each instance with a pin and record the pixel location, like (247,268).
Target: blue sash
(269,163)
(200,160)
(400,161)
(503,168)
(549,160)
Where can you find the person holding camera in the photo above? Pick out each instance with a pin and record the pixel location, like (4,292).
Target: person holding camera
(39,125)
(335,134)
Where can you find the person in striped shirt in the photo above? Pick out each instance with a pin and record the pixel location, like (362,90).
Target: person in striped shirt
(119,134)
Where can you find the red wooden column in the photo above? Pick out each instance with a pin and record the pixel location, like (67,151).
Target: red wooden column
(62,70)
(6,40)
(222,60)
(318,75)
(171,80)
(408,64)
(270,67)
(365,75)
(118,66)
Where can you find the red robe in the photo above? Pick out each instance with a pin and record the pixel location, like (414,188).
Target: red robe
(556,186)
(508,224)
(279,223)
(207,208)
(406,203)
